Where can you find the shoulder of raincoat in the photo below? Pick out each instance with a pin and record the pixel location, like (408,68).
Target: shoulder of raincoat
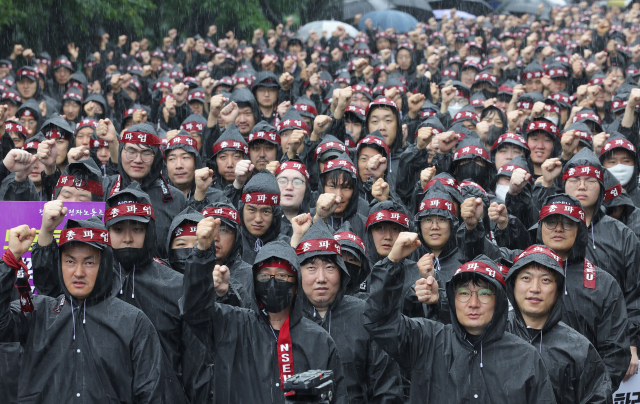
(244,344)
(12,190)
(425,347)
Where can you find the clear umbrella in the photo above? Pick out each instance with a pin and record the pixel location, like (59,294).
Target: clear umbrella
(325,25)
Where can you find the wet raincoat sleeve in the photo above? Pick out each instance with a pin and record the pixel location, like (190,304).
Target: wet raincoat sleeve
(593,384)
(406,340)
(385,383)
(49,183)
(45,275)
(475,243)
(514,237)
(412,161)
(12,190)
(521,206)
(14,324)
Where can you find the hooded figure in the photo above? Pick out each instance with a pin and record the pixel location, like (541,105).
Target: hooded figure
(394,141)
(471,161)
(592,305)
(261,190)
(619,205)
(359,272)
(183,225)
(30,110)
(376,142)
(475,364)
(105,334)
(615,145)
(341,174)
(167,200)
(575,368)
(244,98)
(247,349)
(229,141)
(370,375)
(287,193)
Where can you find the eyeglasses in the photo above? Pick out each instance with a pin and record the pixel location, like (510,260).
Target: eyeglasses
(277,277)
(297,182)
(146,155)
(431,220)
(589,182)
(485,296)
(552,223)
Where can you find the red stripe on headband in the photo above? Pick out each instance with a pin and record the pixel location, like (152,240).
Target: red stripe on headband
(264,135)
(438,203)
(332,164)
(328,146)
(388,216)
(129,209)
(449,182)
(275,263)
(562,209)
(319,244)
(374,140)
(466,115)
(545,126)
(229,144)
(537,249)
(471,150)
(481,267)
(84,234)
(15,127)
(226,213)
(293,123)
(293,165)
(261,198)
(615,143)
(185,230)
(58,134)
(306,108)
(348,236)
(613,192)
(192,127)
(95,143)
(184,140)
(141,138)
(583,171)
(70,181)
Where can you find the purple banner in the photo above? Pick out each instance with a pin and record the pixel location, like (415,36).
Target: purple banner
(30,213)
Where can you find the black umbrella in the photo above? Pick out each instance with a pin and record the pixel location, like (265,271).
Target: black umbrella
(420,9)
(525,7)
(350,8)
(475,7)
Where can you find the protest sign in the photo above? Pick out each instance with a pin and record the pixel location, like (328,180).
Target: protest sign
(30,213)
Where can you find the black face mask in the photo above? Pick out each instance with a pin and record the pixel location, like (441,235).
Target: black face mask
(275,296)
(474,172)
(354,271)
(128,257)
(178,258)
(493,135)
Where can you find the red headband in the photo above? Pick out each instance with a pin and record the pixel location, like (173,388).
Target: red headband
(192,127)
(388,216)
(27,72)
(618,104)
(583,171)
(129,209)
(15,127)
(449,182)
(92,186)
(511,168)
(327,146)
(477,266)
(615,143)
(524,105)
(585,116)
(31,145)
(184,140)
(346,235)
(293,123)
(226,213)
(466,115)
(264,135)
(544,126)
(261,198)
(356,109)
(99,143)
(533,75)
(84,234)
(471,150)
(12,95)
(319,244)
(374,140)
(162,84)
(513,136)
(562,209)
(145,138)
(197,95)
(230,144)
(437,203)
(552,108)
(613,192)
(340,162)
(537,249)
(306,108)
(185,230)
(58,134)
(276,263)
(293,165)
(472,184)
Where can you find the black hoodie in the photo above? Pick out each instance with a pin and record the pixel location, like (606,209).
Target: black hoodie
(107,350)
(599,314)
(370,375)
(575,368)
(445,366)
(167,200)
(242,341)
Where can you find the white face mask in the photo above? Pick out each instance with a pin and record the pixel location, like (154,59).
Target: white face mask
(501,191)
(553,119)
(454,109)
(474,59)
(622,172)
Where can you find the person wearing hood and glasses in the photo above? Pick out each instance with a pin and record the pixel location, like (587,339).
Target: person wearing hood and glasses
(475,350)
(295,190)
(620,157)
(97,335)
(140,159)
(356,259)
(618,203)
(257,348)
(370,375)
(593,303)
(535,284)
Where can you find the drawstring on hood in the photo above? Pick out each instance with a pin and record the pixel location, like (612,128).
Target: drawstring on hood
(593,241)
(259,244)
(73,317)
(133,283)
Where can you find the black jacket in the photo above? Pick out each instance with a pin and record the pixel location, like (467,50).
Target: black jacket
(445,367)
(243,344)
(101,351)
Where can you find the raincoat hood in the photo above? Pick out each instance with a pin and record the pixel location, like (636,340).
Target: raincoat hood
(156,166)
(261,183)
(373,218)
(226,212)
(352,243)
(83,171)
(585,157)
(243,95)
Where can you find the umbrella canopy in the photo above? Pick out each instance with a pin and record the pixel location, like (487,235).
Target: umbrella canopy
(325,25)
(350,8)
(528,7)
(475,7)
(420,9)
(383,19)
(440,13)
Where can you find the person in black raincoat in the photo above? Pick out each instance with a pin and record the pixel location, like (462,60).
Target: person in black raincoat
(612,245)
(467,360)
(58,129)
(30,116)
(248,110)
(227,150)
(371,145)
(294,200)
(389,126)
(135,166)
(338,180)
(619,205)
(255,350)
(593,306)
(258,202)
(356,260)
(620,157)
(535,286)
(370,375)
(108,350)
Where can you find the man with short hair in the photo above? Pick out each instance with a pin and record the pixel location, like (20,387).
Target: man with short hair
(467,360)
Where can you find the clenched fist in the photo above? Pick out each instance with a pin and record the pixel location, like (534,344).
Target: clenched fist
(207,231)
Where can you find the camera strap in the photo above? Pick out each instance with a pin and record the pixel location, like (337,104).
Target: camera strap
(285,353)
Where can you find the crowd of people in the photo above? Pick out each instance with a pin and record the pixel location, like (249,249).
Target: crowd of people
(447,215)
